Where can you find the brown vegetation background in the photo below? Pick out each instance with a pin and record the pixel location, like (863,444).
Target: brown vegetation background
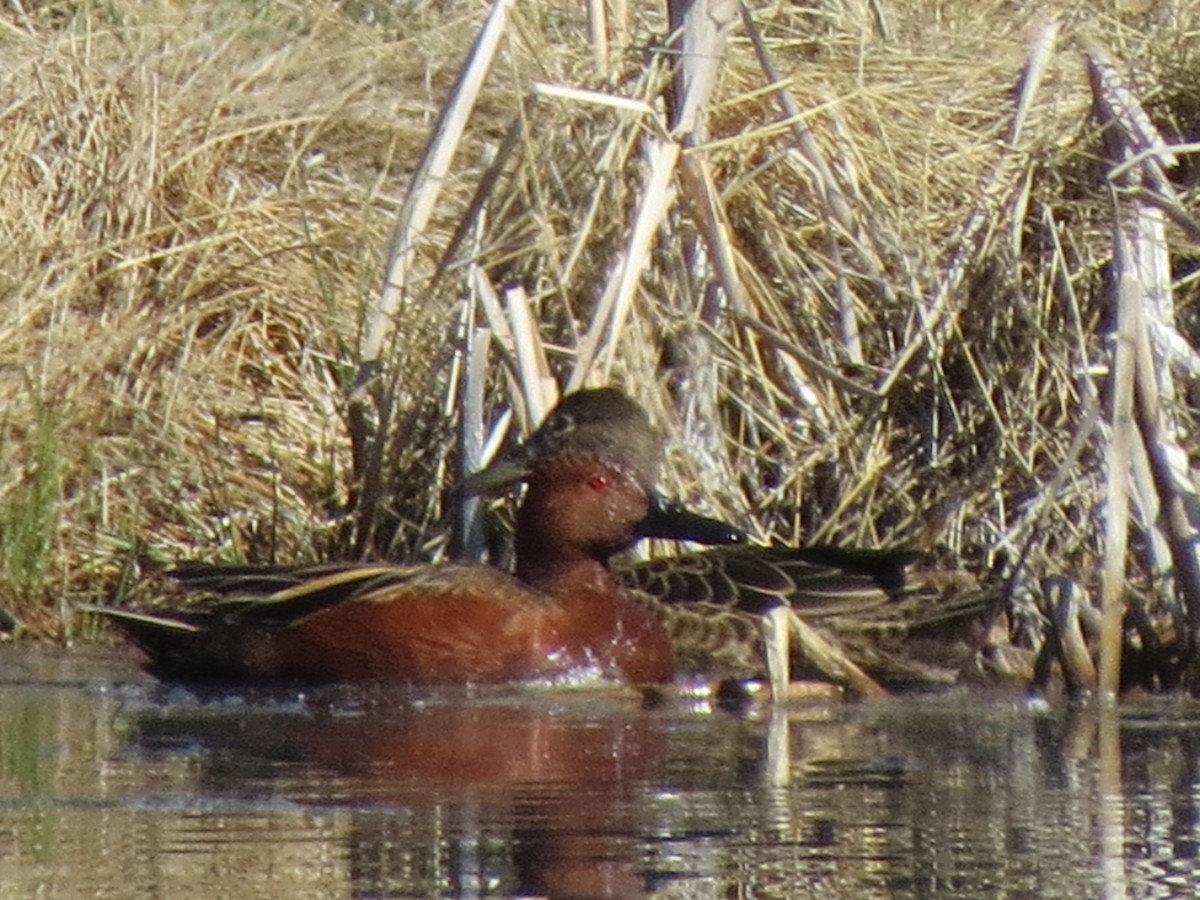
(198,199)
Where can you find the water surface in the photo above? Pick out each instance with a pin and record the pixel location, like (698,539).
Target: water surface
(112,785)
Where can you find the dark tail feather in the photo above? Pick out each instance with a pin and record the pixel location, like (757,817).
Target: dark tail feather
(244,581)
(177,645)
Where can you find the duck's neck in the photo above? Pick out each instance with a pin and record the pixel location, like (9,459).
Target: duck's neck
(546,564)
(547,558)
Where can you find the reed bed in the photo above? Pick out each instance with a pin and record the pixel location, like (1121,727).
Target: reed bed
(864,268)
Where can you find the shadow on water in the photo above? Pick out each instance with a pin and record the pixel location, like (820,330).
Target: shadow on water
(113,785)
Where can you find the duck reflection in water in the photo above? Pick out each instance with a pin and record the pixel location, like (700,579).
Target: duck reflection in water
(533,794)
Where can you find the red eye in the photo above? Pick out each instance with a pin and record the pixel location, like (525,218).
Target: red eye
(599,483)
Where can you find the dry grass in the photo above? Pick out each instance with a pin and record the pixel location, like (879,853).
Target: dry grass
(198,200)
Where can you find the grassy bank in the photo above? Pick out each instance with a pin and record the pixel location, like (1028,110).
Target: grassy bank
(199,199)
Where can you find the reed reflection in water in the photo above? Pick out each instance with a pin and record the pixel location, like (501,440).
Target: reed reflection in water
(112,785)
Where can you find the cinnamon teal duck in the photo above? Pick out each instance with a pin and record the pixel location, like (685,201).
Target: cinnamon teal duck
(588,497)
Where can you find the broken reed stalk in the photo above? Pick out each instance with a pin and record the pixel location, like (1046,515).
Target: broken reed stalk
(426,184)
(622,282)
(538,386)
(1139,156)
(1041,50)
(704,203)
(829,659)
(372,400)
(1116,517)
(472,218)
(1176,494)
(699,29)
(1079,670)
(484,293)
(468,539)
(598,35)
(775,627)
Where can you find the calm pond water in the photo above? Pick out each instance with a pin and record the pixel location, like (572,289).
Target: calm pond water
(114,786)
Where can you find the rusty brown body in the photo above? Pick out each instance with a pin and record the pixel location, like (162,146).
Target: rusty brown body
(465,624)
